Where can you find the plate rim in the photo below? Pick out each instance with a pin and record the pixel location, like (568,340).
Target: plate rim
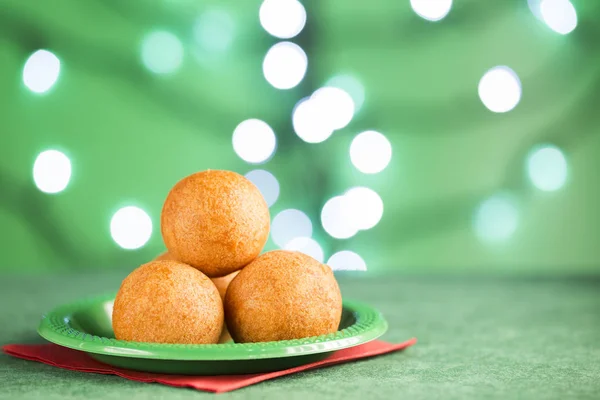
(54,327)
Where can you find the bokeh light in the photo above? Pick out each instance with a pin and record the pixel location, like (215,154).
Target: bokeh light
(500,89)
(547,168)
(131,227)
(285,65)
(283,19)
(41,71)
(266,183)
(352,86)
(337,218)
(337,106)
(162,52)
(534,7)
(214,30)
(366,206)
(290,224)
(496,219)
(432,10)
(254,141)
(346,260)
(315,118)
(307,246)
(309,122)
(559,15)
(51,171)
(370,152)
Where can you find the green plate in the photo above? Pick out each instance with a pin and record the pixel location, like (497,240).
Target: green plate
(86,326)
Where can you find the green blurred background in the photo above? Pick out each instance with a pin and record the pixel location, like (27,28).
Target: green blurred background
(131,133)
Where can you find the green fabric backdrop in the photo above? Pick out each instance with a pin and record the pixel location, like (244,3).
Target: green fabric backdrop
(131,135)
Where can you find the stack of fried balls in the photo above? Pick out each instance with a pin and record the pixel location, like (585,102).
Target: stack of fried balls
(212,285)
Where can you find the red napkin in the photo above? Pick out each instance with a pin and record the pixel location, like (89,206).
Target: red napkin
(63,357)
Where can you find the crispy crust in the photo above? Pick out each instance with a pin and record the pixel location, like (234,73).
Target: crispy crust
(168,302)
(216,221)
(282,295)
(222,283)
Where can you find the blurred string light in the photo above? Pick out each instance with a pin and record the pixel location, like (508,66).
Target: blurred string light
(559,15)
(309,122)
(534,7)
(337,104)
(336,218)
(41,71)
(370,152)
(51,171)
(360,208)
(500,89)
(367,207)
(307,246)
(547,168)
(315,118)
(496,219)
(131,227)
(432,10)
(288,225)
(346,260)
(350,85)
(214,30)
(266,183)
(283,19)
(162,52)
(285,65)
(254,141)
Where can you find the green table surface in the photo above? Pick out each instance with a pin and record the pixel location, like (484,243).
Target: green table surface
(478,337)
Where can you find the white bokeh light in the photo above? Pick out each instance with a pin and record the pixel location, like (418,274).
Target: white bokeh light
(496,219)
(337,106)
(346,260)
(559,15)
(307,246)
(162,52)
(41,71)
(338,219)
(214,30)
(352,86)
(547,168)
(370,152)
(432,10)
(534,7)
(367,207)
(290,224)
(315,118)
(266,183)
(51,171)
(283,19)
(254,141)
(309,122)
(285,65)
(500,89)
(131,227)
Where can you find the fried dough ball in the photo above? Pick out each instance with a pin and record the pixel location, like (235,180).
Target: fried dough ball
(225,336)
(222,283)
(282,295)
(168,302)
(215,221)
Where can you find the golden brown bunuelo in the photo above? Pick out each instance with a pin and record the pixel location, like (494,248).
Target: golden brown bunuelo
(282,295)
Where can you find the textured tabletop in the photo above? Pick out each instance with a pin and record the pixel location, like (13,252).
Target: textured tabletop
(478,338)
